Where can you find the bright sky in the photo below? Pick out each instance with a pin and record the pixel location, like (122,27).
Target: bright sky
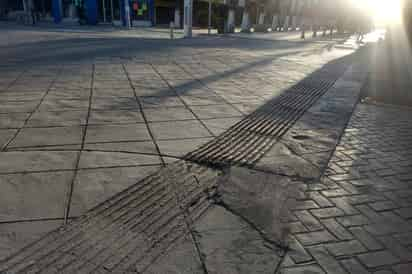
(383,11)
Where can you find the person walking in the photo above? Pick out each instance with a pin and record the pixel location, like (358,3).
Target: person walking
(33,16)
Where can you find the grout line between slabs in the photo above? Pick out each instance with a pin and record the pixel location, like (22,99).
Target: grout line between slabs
(183,102)
(71,186)
(4,147)
(143,114)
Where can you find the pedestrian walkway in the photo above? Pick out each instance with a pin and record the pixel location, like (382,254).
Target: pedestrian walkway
(78,126)
(164,222)
(357,218)
(290,175)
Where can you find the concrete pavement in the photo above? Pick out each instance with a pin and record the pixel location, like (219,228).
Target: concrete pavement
(76,133)
(83,119)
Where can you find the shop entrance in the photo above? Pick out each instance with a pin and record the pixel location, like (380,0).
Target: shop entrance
(140,14)
(164,15)
(108,11)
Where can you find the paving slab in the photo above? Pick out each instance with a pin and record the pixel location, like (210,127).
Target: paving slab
(201,99)
(14,236)
(147,147)
(96,159)
(28,137)
(145,91)
(178,148)
(12,120)
(6,135)
(47,148)
(57,118)
(68,93)
(22,96)
(220,125)
(114,103)
(161,102)
(265,205)
(230,245)
(168,114)
(33,195)
(117,133)
(215,111)
(110,92)
(282,160)
(18,106)
(181,259)
(178,130)
(115,117)
(63,105)
(93,186)
(37,161)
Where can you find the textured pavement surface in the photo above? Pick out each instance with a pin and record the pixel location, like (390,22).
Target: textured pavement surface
(357,219)
(75,133)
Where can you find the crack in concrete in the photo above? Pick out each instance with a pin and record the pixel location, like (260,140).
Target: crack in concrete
(189,224)
(282,248)
(295,153)
(293,177)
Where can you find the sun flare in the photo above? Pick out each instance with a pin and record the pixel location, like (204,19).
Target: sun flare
(383,12)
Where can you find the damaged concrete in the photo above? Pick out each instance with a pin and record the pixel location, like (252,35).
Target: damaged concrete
(241,232)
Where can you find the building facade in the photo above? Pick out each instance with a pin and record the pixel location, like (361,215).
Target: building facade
(279,15)
(142,12)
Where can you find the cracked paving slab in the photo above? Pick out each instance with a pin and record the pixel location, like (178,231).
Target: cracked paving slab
(228,244)
(239,233)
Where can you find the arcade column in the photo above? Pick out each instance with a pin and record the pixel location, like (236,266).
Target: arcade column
(90,7)
(57,11)
(187,22)
(91,11)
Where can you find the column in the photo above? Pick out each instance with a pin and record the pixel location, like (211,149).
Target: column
(152,15)
(275,22)
(57,11)
(294,22)
(245,20)
(177,18)
(187,23)
(91,11)
(231,20)
(293,12)
(261,18)
(286,23)
(125,12)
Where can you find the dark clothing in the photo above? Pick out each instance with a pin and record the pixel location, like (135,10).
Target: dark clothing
(33,16)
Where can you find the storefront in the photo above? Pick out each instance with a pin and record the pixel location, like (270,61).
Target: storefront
(104,11)
(165,11)
(71,10)
(142,12)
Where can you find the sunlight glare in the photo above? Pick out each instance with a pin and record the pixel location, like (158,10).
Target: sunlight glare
(383,11)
